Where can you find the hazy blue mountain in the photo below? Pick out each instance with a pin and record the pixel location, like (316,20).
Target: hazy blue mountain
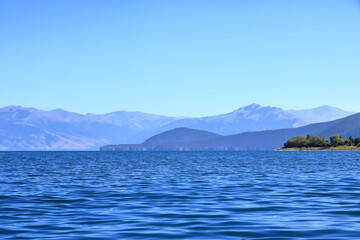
(262,140)
(32,129)
(320,114)
(180,135)
(169,140)
(250,118)
(133,120)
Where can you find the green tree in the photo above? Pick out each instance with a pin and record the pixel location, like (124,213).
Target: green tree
(296,142)
(357,142)
(315,141)
(336,140)
(351,141)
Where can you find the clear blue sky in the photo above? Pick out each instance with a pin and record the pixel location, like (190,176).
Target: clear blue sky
(181,58)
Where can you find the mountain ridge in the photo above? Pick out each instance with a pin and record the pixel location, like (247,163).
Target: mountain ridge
(253,117)
(27,128)
(320,114)
(262,140)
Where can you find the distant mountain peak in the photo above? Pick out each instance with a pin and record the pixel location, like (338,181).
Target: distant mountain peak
(15,107)
(248,108)
(253,108)
(320,114)
(330,108)
(253,105)
(58,110)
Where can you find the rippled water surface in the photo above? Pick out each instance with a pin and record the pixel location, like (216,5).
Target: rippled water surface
(180,195)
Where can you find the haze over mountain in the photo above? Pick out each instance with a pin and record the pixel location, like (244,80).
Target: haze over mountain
(250,118)
(187,139)
(320,114)
(32,129)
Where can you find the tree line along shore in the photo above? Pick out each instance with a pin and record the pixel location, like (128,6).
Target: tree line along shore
(308,142)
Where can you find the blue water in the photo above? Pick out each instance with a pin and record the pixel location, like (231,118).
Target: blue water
(180,195)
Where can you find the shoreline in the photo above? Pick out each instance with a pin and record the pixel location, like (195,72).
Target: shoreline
(340,148)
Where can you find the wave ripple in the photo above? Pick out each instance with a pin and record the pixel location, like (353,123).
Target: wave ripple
(180,195)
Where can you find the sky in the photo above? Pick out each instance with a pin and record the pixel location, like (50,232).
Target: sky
(179,58)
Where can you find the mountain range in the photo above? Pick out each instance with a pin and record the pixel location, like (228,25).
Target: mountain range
(33,129)
(319,114)
(195,140)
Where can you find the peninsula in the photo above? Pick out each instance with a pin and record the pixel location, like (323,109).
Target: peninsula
(315,143)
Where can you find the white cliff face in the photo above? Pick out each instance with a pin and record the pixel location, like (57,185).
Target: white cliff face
(32,129)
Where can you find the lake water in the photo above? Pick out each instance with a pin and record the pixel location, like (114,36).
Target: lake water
(180,195)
